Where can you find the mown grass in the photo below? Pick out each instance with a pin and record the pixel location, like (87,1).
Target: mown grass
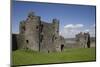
(24,57)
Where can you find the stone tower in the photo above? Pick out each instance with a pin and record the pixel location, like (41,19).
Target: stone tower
(56,37)
(83,40)
(29,32)
(39,35)
(48,35)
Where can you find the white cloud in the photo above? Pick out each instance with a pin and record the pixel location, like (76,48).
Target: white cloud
(87,30)
(73,26)
(69,26)
(70,30)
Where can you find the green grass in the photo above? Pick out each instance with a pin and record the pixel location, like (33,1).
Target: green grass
(23,57)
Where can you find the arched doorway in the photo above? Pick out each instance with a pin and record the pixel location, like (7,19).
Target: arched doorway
(62,46)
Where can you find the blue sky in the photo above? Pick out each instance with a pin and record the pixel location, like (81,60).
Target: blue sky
(73,18)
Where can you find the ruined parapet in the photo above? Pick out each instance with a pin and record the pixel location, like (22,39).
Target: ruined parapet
(83,40)
(32,17)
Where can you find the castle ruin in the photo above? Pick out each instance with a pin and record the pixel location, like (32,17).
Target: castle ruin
(83,39)
(39,35)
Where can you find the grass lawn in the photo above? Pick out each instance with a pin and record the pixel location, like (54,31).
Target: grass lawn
(23,57)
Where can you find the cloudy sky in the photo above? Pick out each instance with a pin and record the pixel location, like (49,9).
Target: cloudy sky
(73,18)
(70,30)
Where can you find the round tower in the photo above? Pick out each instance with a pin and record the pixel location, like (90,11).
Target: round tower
(56,26)
(55,34)
(31,32)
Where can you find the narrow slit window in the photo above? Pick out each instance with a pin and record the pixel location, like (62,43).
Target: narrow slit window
(53,37)
(27,41)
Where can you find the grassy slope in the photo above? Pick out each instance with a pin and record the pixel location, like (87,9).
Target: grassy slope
(22,57)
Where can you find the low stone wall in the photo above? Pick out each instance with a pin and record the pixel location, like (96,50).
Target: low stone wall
(14,42)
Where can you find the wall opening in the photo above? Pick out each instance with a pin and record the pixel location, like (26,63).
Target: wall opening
(62,47)
(48,51)
(55,38)
(37,27)
(27,41)
(88,44)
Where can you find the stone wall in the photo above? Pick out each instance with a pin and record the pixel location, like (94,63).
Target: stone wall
(83,40)
(14,42)
(42,36)
(39,35)
(29,33)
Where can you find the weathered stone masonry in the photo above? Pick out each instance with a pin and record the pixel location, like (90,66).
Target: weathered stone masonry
(39,35)
(83,40)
